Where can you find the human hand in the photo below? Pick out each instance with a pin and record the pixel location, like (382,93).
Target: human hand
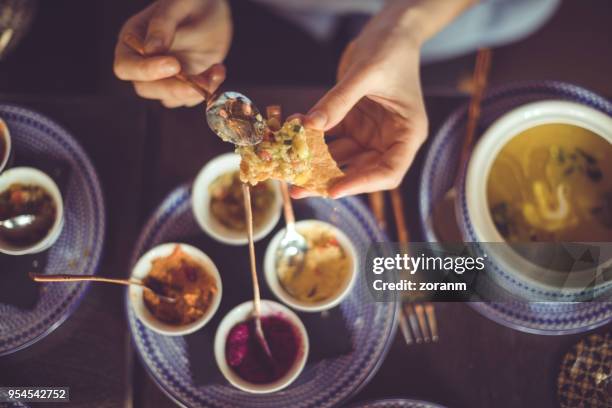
(376,109)
(188,36)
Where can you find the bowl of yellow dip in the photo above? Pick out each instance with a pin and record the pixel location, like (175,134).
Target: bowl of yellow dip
(540,174)
(328,274)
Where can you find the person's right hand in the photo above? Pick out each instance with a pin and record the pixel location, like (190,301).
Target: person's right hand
(188,36)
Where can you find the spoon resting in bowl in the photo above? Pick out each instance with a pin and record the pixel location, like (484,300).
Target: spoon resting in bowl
(88,278)
(259,333)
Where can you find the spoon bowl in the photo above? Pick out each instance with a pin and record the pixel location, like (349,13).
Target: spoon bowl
(235,119)
(292,249)
(17,223)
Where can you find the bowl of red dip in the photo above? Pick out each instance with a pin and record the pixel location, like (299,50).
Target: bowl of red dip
(241,358)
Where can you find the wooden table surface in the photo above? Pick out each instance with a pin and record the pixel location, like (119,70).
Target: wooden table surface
(141,152)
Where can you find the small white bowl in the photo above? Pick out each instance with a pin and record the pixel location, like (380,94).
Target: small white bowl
(272,277)
(5,136)
(142,269)
(242,313)
(472,207)
(32,176)
(200,202)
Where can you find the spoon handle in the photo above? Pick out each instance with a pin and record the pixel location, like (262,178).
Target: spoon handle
(82,278)
(249,222)
(135,45)
(287,207)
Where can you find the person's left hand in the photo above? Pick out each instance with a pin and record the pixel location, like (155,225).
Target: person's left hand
(376,110)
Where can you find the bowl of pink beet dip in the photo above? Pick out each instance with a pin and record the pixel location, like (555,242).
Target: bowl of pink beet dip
(241,357)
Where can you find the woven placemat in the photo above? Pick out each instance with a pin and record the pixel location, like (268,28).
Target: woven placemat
(585,379)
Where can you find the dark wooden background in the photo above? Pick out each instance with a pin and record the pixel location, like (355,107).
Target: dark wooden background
(141,152)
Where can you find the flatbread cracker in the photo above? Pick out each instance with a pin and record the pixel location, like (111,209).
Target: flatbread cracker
(294,154)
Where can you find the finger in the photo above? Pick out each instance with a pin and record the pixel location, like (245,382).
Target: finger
(176,103)
(298,193)
(166,89)
(299,116)
(336,103)
(166,16)
(364,180)
(212,78)
(367,174)
(129,66)
(171,103)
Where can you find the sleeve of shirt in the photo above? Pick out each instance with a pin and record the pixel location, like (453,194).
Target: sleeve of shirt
(487,24)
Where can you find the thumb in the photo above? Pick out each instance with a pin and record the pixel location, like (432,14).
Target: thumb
(166,16)
(337,102)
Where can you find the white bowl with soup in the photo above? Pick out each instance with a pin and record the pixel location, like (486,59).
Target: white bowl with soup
(29,191)
(540,173)
(328,274)
(218,207)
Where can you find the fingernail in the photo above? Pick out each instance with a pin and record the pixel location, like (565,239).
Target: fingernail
(316,119)
(168,67)
(154,45)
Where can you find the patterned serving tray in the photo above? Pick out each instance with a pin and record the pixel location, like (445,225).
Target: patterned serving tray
(552,318)
(79,247)
(323,383)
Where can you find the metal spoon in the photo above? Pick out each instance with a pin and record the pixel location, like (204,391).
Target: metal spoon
(231,115)
(88,278)
(259,333)
(292,248)
(18,223)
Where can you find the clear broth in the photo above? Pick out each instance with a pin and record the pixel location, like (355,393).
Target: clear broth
(553,182)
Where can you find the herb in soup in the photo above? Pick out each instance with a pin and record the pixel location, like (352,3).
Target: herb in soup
(22,199)
(553,182)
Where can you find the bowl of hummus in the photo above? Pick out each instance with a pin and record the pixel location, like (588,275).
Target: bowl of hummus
(218,203)
(327,275)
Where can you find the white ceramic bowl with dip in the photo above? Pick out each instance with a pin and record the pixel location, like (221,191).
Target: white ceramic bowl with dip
(142,269)
(5,139)
(275,286)
(472,207)
(200,201)
(32,176)
(244,312)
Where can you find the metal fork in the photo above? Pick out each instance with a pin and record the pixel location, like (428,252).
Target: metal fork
(417,320)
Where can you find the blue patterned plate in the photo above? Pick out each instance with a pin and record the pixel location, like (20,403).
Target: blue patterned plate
(396,403)
(321,384)
(79,246)
(439,173)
